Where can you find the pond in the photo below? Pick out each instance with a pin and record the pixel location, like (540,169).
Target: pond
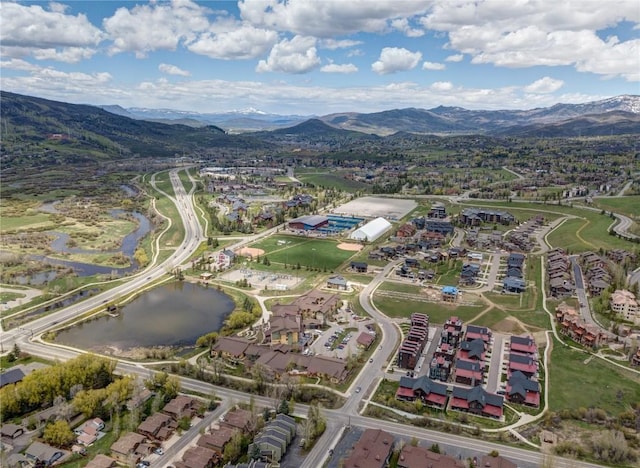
(174,314)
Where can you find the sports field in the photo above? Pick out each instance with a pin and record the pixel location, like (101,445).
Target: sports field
(314,253)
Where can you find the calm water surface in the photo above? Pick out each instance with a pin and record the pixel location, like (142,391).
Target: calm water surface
(174,314)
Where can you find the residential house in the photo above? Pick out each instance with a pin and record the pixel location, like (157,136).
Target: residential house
(217,439)
(437,210)
(523,390)
(198,457)
(44,454)
(523,344)
(11,376)
(230,348)
(373,450)
(513,284)
(101,461)
(88,431)
(477,216)
(525,363)
(11,431)
(472,350)
(158,426)
(420,457)
(337,282)
(224,259)
(452,331)
(469,372)
(238,419)
(365,340)
(359,267)
(624,304)
(181,406)
(572,325)
(478,401)
(449,293)
(442,227)
(129,448)
(474,332)
(428,391)
(415,341)
(469,273)
(406,230)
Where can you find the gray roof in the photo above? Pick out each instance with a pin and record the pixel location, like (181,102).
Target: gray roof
(11,376)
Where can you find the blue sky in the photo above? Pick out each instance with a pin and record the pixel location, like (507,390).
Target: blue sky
(321,56)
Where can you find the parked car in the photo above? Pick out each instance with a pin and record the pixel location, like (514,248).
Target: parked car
(159,451)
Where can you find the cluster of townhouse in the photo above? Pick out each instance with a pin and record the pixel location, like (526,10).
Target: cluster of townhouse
(158,427)
(279,360)
(416,339)
(522,372)
(478,238)
(596,273)
(477,216)
(570,323)
(513,280)
(523,237)
(469,273)
(375,446)
(441,365)
(624,304)
(559,276)
(275,438)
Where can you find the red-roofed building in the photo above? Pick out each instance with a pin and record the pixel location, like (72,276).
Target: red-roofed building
(523,344)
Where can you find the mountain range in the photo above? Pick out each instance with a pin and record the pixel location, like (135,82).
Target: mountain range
(60,132)
(557,120)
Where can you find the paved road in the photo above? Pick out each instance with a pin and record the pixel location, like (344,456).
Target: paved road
(583,305)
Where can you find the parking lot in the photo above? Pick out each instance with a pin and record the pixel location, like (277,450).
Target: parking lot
(340,339)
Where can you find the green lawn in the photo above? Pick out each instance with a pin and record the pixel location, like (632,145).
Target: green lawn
(314,253)
(10,296)
(629,206)
(332,180)
(580,381)
(398,307)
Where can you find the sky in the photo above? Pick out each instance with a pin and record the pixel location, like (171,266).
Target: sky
(316,57)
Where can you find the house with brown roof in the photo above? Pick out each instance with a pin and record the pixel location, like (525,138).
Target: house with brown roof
(158,426)
(230,348)
(319,305)
(101,461)
(217,439)
(130,447)
(406,230)
(238,419)
(181,406)
(198,457)
(373,450)
(420,457)
(365,340)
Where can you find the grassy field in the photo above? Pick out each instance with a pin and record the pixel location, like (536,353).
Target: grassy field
(30,221)
(601,385)
(629,206)
(332,180)
(314,253)
(438,312)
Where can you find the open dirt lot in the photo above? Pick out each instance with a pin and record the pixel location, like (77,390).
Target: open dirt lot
(350,247)
(373,207)
(249,252)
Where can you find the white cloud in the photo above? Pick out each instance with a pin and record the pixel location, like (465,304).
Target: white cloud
(545,32)
(402,25)
(297,55)
(333,44)
(441,86)
(243,42)
(47,35)
(329,18)
(335,68)
(544,85)
(155,26)
(433,66)
(173,70)
(18,64)
(394,59)
(454,58)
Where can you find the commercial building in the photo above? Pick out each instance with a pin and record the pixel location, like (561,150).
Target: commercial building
(371,231)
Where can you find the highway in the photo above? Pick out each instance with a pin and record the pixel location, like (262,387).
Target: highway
(337,419)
